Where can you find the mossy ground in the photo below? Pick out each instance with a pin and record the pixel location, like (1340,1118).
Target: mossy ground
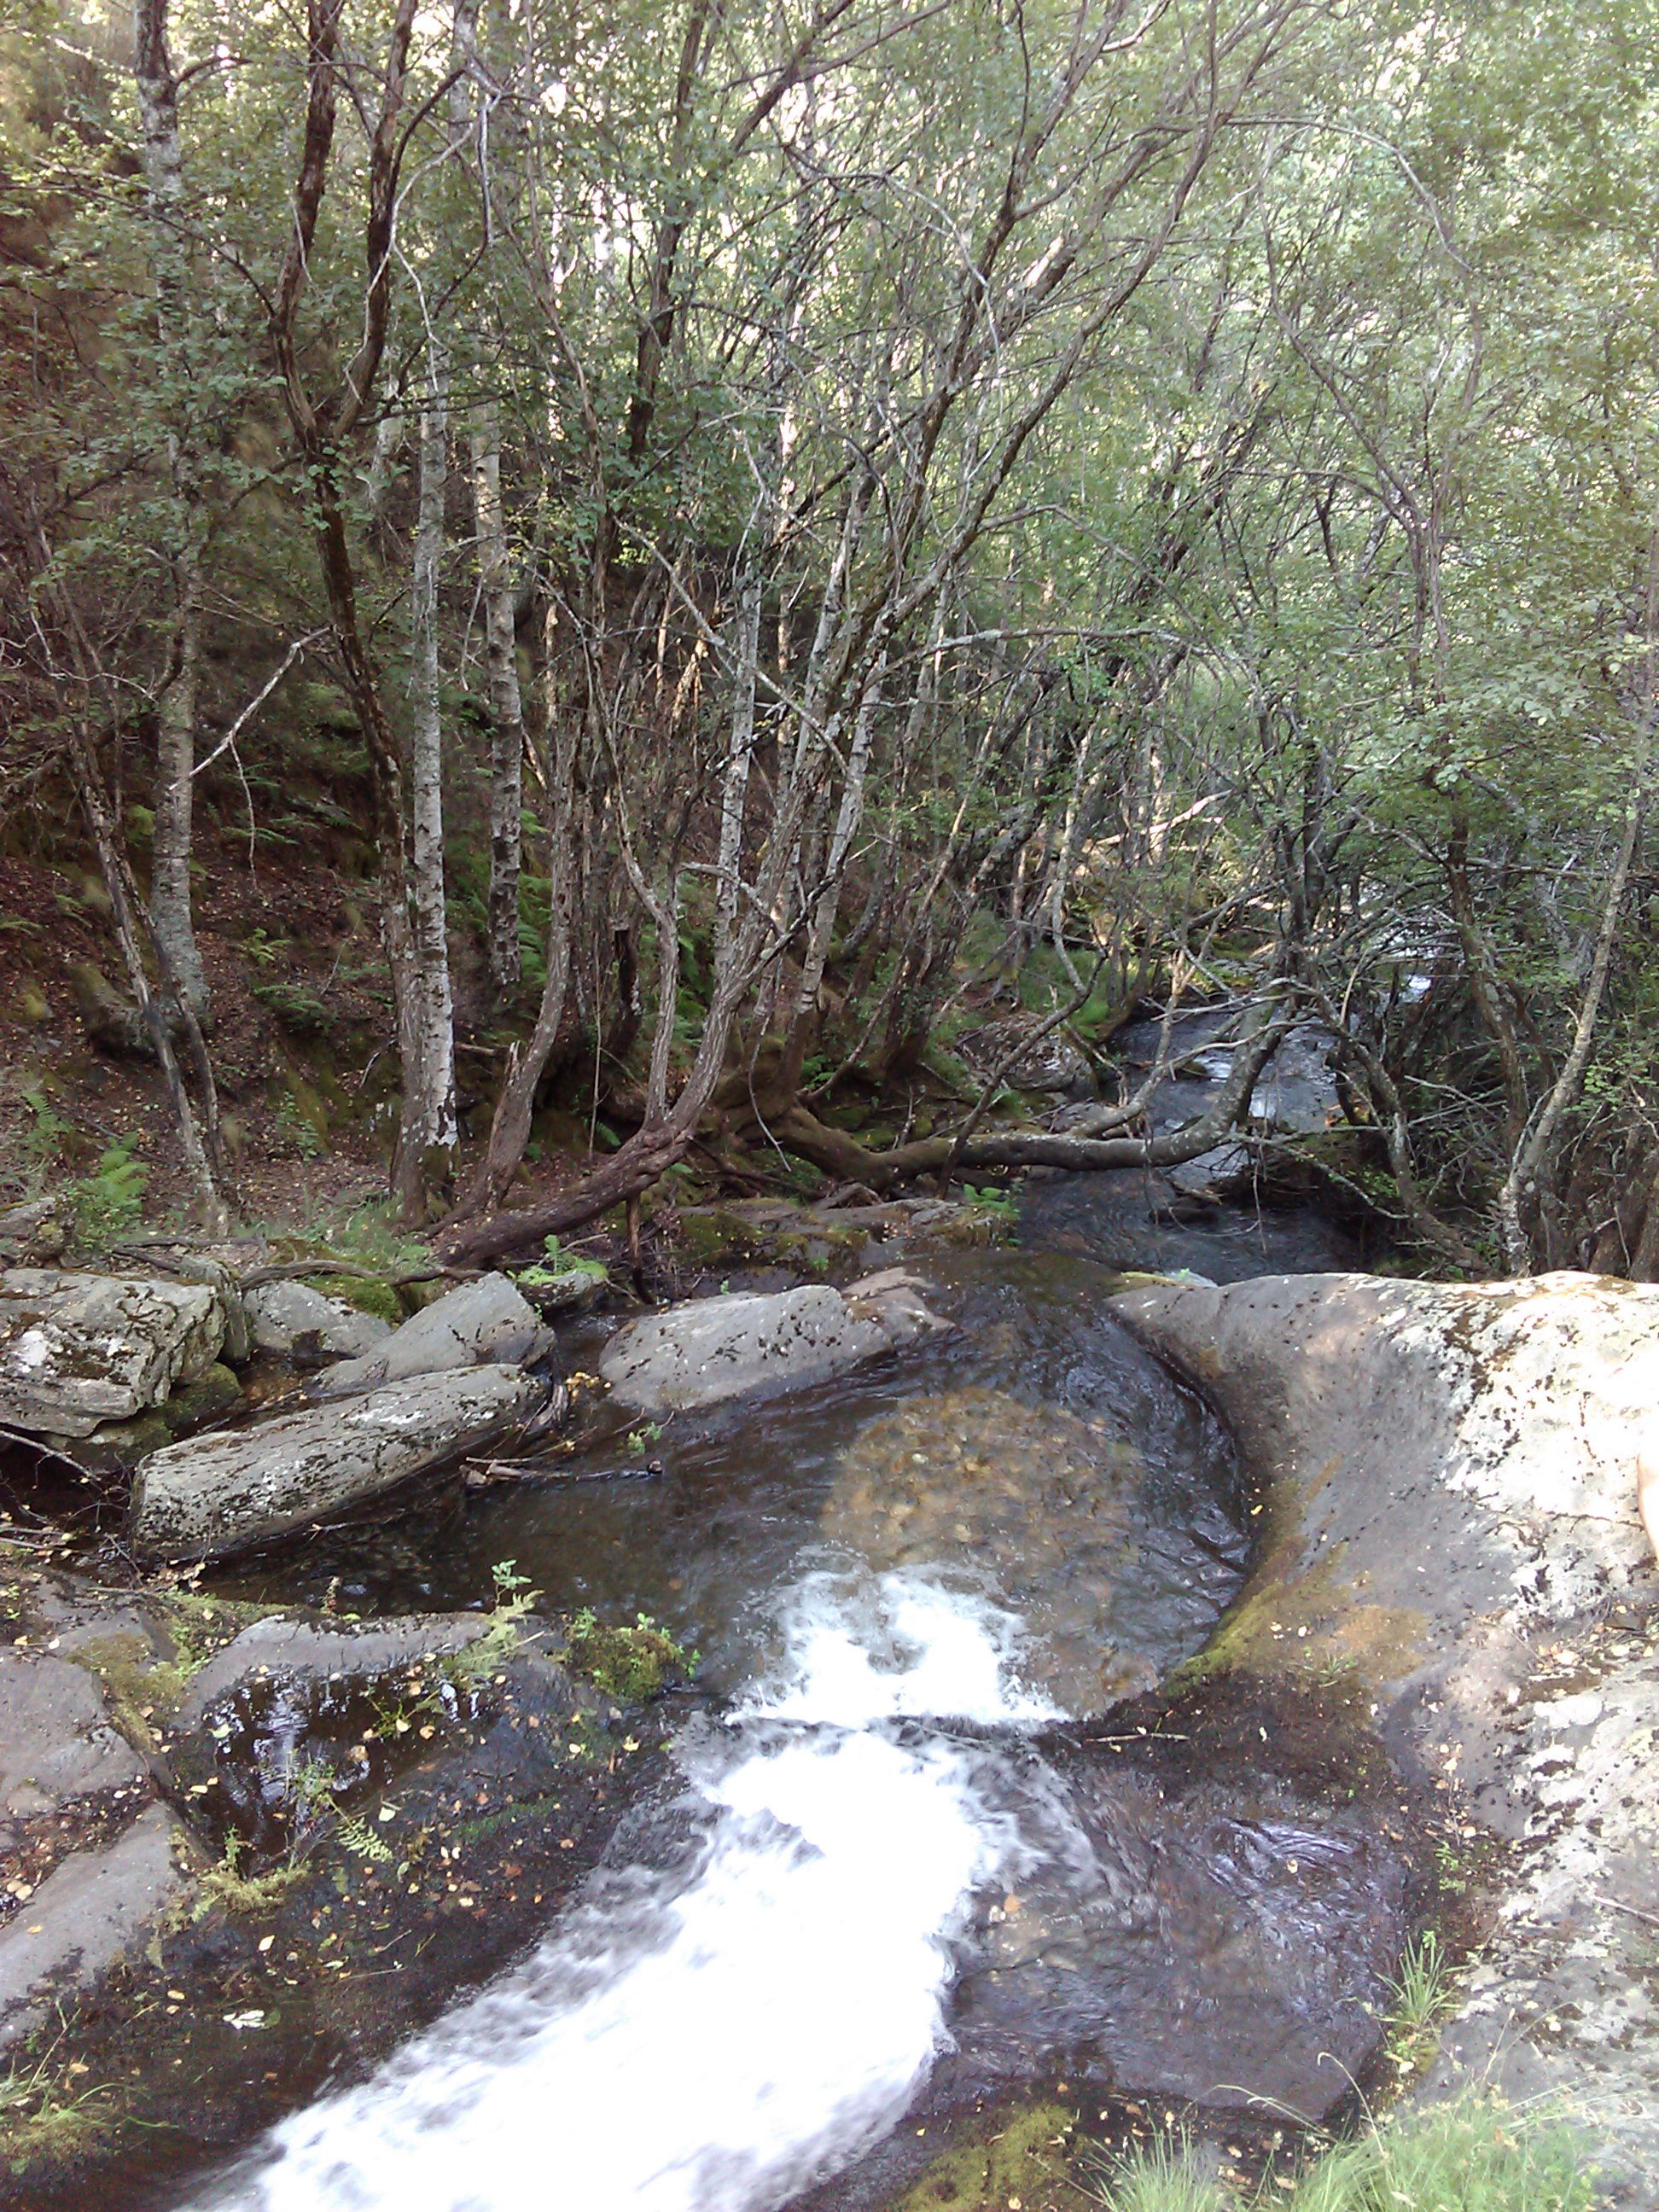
(1021,2157)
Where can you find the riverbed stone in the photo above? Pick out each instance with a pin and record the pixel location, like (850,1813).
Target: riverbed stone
(1446,1488)
(712,1349)
(219,1493)
(488,1321)
(310,1652)
(93,1908)
(291,1318)
(76,1350)
(1049,1063)
(57,1742)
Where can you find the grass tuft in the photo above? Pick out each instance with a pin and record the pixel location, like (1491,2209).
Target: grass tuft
(1422,1998)
(1163,2177)
(1475,2155)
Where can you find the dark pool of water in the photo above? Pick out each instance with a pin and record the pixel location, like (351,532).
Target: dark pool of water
(1035,1451)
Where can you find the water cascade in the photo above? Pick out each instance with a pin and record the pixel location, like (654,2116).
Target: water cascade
(712,2035)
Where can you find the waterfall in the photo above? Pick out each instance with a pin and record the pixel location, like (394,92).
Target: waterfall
(713,2035)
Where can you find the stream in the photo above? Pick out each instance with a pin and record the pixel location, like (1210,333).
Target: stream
(904,1866)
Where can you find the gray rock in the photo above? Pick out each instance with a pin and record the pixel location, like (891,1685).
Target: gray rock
(76,1350)
(485,1321)
(90,1910)
(563,1291)
(56,1739)
(1448,1497)
(1051,1063)
(214,1494)
(301,1649)
(711,1349)
(290,1317)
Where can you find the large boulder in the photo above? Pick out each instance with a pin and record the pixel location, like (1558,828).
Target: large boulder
(712,1349)
(76,1350)
(291,1318)
(483,1322)
(214,1494)
(1446,1488)
(1049,1063)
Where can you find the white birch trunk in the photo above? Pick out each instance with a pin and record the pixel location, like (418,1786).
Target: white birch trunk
(428,1132)
(170,904)
(506,704)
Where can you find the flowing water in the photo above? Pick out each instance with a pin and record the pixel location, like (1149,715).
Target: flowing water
(720,2031)
(901,1866)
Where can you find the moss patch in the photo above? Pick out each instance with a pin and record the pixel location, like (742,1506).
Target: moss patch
(1020,2157)
(628,1664)
(363,1293)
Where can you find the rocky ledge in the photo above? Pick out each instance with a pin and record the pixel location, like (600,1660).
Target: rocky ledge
(1445,1476)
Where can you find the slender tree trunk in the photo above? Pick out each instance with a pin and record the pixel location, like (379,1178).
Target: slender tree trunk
(849,814)
(509,1129)
(1529,1166)
(170,903)
(506,707)
(175,755)
(426,1130)
(210,1211)
(735,785)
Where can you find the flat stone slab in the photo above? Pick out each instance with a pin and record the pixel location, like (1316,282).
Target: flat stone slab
(76,1350)
(1448,1502)
(291,1648)
(93,1908)
(712,1349)
(56,1741)
(213,1494)
(488,1321)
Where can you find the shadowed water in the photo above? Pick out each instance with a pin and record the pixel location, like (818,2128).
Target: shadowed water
(1036,1450)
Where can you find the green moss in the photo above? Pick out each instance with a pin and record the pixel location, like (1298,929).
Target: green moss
(364,1293)
(628,1664)
(715,1236)
(207,1398)
(1021,2157)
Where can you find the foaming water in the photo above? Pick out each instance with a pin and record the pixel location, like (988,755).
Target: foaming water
(713,2037)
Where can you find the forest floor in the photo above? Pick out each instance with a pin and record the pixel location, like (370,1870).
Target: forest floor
(301,1010)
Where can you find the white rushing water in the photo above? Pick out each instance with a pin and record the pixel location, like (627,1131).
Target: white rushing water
(713,2037)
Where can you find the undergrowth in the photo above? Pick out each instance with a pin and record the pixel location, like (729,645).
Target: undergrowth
(1477,2154)
(1422,1998)
(47,2109)
(627,1664)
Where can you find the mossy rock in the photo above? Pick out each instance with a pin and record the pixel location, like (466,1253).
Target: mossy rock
(1019,2158)
(628,1664)
(209,1398)
(717,1236)
(367,1294)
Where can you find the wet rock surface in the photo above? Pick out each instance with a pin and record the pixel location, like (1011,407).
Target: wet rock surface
(219,1493)
(93,1911)
(1447,1473)
(76,1350)
(356,1820)
(712,1349)
(484,1322)
(56,1741)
